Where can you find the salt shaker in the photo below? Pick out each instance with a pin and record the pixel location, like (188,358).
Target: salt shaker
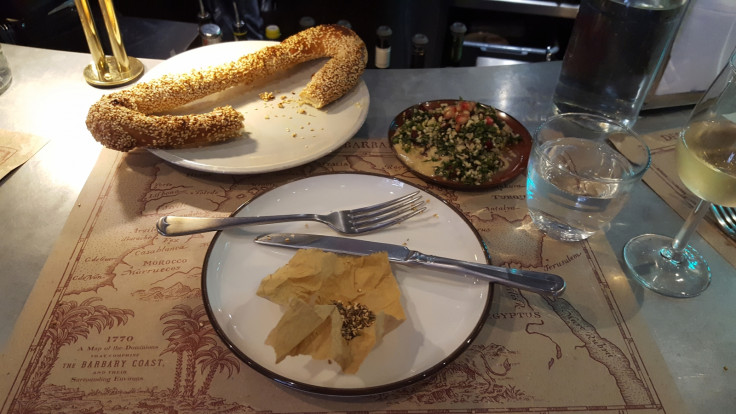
(383,47)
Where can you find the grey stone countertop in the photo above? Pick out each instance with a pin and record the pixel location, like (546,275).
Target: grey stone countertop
(49,98)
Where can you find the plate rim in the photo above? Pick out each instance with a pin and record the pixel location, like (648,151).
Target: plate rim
(349,392)
(172,158)
(517,170)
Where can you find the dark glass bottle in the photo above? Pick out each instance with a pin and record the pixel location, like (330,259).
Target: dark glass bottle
(418,49)
(239,30)
(457,37)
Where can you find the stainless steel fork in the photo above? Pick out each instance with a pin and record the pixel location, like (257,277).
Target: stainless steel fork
(359,220)
(726,217)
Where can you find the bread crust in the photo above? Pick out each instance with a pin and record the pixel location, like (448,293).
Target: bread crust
(124,120)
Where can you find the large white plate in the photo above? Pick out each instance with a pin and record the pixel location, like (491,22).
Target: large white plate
(275,138)
(444,312)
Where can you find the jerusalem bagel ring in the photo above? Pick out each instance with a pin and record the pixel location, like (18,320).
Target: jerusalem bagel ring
(125,120)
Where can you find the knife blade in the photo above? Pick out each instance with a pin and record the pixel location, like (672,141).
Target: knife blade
(533,281)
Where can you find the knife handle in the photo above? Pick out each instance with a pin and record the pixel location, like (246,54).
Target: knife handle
(181,226)
(533,281)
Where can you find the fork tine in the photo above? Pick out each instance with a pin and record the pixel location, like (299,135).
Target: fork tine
(729,215)
(722,215)
(726,219)
(387,204)
(393,219)
(386,214)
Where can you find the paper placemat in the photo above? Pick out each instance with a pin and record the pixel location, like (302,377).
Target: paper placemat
(663,179)
(98,331)
(16,148)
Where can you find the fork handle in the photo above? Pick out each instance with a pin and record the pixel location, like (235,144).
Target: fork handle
(547,284)
(181,226)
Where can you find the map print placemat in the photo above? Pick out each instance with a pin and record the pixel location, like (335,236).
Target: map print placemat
(116,322)
(17,148)
(663,179)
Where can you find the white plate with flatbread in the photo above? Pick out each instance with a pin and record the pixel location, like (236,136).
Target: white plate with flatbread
(444,312)
(279,134)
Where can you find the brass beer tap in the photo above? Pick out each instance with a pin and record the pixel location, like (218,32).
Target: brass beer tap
(107,71)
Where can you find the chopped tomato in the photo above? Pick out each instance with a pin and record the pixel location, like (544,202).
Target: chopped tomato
(466,106)
(489,120)
(461,119)
(449,112)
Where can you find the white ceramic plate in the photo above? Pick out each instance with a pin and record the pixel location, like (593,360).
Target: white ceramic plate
(444,312)
(275,138)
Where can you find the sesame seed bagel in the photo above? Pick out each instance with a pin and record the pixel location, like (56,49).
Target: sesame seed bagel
(125,119)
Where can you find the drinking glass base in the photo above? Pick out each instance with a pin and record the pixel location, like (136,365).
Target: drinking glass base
(557,230)
(649,261)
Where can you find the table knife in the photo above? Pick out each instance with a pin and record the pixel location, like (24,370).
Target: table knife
(538,282)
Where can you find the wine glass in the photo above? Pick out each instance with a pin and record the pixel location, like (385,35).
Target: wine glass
(706,164)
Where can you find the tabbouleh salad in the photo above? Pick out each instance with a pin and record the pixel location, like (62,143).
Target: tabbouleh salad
(464,141)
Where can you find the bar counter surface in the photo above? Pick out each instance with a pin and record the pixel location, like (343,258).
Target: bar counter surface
(49,98)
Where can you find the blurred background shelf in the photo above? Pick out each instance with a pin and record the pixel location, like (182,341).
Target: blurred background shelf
(561,9)
(499,31)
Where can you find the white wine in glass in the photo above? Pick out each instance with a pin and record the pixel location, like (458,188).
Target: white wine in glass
(706,164)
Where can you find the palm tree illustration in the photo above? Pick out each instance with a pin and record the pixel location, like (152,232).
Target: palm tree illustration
(189,332)
(70,321)
(214,359)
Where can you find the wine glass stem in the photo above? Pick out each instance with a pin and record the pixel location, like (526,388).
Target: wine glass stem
(679,243)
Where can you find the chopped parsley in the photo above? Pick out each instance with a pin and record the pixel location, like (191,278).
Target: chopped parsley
(467,141)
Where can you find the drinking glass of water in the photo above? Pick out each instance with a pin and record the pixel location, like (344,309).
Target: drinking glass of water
(581,171)
(706,164)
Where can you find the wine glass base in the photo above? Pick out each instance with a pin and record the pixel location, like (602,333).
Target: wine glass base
(645,257)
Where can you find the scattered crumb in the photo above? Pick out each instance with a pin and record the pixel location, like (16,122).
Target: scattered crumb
(266,96)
